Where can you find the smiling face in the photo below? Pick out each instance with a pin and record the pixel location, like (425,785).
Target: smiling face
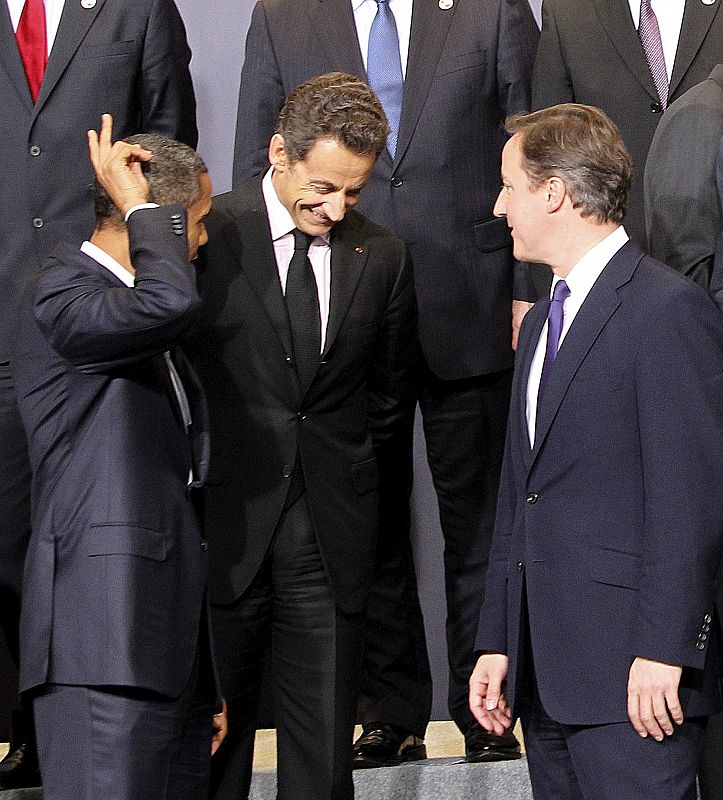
(523,205)
(318,190)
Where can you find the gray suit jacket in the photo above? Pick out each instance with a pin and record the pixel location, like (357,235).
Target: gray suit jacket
(469,67)
(590,53)
(125,57)
(682,211)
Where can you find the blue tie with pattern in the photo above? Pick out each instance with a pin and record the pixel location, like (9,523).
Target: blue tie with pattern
(384,68)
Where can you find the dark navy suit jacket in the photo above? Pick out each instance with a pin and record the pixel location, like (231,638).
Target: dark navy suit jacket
(116,568)
(612,523)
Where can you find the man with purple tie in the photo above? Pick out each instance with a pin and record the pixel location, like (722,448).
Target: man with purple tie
(597,624)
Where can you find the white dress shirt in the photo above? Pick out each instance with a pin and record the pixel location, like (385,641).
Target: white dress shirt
(670,20)
(53,10)
(579,281)
(364,13)
(282,235)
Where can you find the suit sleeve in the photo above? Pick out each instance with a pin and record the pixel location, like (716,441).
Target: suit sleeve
(716,281)
(551,82)
(682,214)
(96,327)
(260,99)
(168,103)
(392,374)
(679,385)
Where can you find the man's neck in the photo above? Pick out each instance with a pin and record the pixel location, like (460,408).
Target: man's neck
(116,244)
(576,242)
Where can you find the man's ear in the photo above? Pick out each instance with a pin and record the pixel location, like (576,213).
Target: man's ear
(277,153)
(556,192)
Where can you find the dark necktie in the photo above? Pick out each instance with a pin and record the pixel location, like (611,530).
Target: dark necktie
(384,68)
(32,44)
(649,33)
(555,318)
(302,302)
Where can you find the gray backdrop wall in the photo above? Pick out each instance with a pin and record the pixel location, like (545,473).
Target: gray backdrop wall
(216,32)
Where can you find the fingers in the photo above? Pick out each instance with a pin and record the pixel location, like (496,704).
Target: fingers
(486,699)
(653,703)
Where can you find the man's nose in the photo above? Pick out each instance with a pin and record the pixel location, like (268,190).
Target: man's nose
(500,209)
(335,207)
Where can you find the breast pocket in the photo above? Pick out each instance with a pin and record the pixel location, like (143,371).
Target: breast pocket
(108,49)
(459,61)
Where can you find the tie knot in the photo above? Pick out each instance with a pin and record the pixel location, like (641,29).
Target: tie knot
(302,241)
(560,292)
(382,2)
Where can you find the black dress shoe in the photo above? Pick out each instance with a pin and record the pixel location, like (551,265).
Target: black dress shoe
(386,746)
(19,768)
(481,746)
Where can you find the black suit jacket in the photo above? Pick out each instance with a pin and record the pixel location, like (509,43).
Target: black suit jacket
(115,571)
(590,52)
(468,68)
(259,418)
(125,57)
(682,212)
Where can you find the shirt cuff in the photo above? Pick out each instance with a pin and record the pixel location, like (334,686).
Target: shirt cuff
(140,205)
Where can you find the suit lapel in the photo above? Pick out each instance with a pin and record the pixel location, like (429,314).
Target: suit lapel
(348,259)
(75,23)
(10,58)
(615,17)
(697,19)
(598,308)
(249,242)
(430,25)
(200,422)
(334,23)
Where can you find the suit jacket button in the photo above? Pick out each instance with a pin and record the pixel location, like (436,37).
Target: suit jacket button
(706,628)
(699,646)
(38,222)
(176,217)
(204,545)
(702,637)
(532,498)
(286,471)
(656,108)
(396,181)
(520,566)
(707,619)
(34,150)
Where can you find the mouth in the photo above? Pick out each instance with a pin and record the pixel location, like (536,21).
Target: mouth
(318,217)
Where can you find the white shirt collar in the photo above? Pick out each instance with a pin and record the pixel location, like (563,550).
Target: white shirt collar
(108,262)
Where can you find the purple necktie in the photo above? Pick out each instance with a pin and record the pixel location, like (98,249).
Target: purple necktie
(649,33)
(555,317)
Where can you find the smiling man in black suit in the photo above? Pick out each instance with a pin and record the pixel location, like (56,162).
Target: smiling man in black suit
(306,350)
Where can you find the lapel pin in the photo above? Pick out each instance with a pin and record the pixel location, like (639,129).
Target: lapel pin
(445,5)
(358,249)
(88,3)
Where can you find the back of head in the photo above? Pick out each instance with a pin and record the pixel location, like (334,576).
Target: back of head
(172,175)
(582,146)
(333,106)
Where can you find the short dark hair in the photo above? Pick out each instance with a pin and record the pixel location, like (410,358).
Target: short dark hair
(581,145)
(172,176)
(333,106)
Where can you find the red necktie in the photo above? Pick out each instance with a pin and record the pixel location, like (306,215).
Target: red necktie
(32,43)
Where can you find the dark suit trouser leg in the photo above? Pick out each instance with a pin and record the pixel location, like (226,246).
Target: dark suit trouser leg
(710,771)
(396,680)
(123,743)
(14,525)
(464,428)
(315,657)
(608,762)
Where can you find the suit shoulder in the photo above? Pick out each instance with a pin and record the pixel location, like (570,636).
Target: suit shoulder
(230,206)
(666,291)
